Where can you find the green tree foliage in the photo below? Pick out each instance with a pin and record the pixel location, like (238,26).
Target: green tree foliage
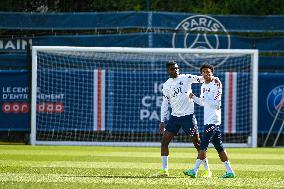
(256,7)
(240,7)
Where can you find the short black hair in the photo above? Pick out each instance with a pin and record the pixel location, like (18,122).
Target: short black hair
(206,65)
(171,63)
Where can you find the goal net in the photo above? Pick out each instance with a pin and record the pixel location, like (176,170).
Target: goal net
(112,96)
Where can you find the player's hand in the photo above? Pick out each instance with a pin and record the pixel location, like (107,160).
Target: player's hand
(162,127)
(218,82)
(191,95)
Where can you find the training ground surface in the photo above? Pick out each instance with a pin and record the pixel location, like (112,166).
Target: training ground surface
(77,167)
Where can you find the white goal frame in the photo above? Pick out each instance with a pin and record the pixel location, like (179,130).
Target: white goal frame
(35,49)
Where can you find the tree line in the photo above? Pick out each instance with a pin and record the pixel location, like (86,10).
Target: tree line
(224,7)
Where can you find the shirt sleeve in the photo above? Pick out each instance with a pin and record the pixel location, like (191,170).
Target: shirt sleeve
(195,78)
(164,106)
(200,100)
(219,84)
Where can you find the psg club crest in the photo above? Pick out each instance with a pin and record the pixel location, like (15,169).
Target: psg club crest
(201,32)
(275,102)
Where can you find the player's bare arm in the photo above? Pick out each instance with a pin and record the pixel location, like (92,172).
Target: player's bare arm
(162,127)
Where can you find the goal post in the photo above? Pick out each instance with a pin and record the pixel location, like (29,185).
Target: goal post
(112,95)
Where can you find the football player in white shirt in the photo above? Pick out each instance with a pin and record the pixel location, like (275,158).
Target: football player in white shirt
(175,92)
(210,98)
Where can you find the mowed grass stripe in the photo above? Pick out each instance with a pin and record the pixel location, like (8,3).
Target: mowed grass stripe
(130,173)
(130,165)
(141,181)
(90,149)
(191,154)
(118,167)
(213,158)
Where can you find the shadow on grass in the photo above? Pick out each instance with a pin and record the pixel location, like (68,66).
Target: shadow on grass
(118,176)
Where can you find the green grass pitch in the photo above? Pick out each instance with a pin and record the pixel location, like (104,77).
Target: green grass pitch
(77,167)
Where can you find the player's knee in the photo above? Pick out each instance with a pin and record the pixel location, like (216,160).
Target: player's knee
(195,139)
(165,142)
(202,154)
(196,143)
(197,146)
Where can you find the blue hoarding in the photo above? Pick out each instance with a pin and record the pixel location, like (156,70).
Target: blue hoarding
(15,100)
(270,98)
(133,105)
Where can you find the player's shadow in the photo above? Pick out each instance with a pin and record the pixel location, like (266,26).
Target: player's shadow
(117,176)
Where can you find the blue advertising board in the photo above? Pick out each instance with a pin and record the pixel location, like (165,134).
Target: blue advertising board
(270,98)
(15,100)
(142,20)
(133,106)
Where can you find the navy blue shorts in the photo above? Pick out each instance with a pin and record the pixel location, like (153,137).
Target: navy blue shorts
(188,124)
(212,134)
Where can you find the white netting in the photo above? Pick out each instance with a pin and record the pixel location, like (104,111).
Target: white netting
(91,96)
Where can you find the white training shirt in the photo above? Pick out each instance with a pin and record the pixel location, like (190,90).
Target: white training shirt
(210,98)
(175,92)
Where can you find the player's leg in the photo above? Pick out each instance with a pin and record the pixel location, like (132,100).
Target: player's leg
(195,139)
(196,142)
(171,130)
(217,142)
(166,139)
(201,159)
(208,134)
(202,155)
(189,126)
